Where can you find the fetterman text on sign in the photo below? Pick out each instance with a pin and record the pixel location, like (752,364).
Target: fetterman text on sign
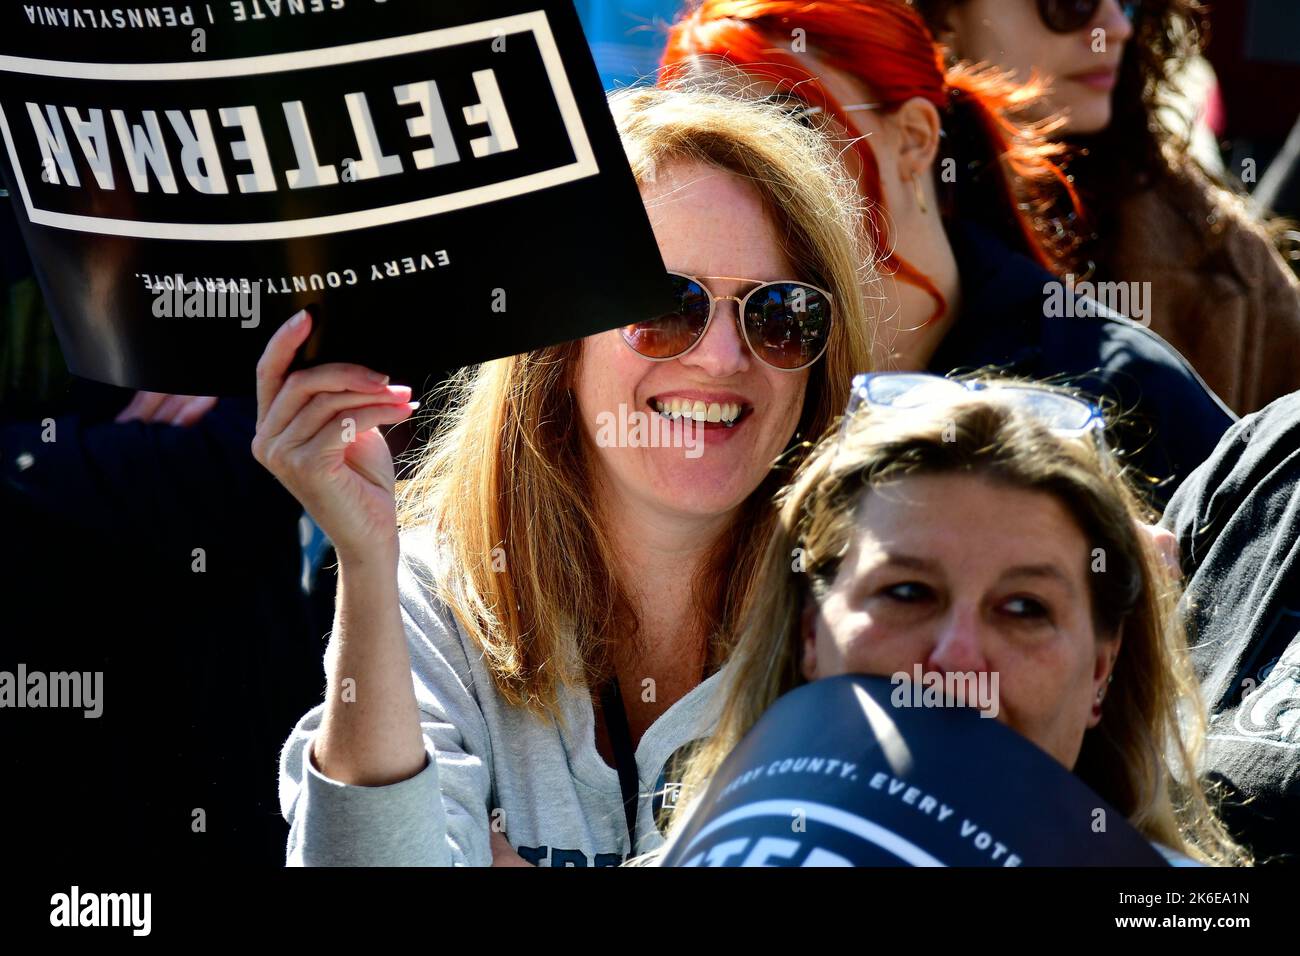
(372,137)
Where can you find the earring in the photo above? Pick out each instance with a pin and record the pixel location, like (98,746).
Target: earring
(920,196)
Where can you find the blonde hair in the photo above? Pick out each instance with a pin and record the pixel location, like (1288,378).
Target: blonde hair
(505,479)
(1140,757)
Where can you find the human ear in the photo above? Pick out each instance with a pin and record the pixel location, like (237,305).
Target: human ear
(1103,672)
(917,127)
(808,641)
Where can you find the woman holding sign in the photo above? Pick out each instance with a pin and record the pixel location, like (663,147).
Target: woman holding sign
(982,528)
(584,525)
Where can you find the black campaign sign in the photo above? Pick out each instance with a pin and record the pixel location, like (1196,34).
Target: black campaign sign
(834,774)
(441,182)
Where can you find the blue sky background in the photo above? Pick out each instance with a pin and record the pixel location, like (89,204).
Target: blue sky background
(626,36)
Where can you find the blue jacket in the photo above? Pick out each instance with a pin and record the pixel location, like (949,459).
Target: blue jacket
(1169,420)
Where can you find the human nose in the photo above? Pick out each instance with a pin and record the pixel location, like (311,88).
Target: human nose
(958,646)
(722,351)
(1114,21)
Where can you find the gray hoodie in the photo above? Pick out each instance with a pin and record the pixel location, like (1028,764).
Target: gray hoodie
(490,764)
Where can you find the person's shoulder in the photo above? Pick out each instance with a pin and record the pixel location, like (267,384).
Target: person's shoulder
(1257,460)
(1266,442)
(1280,416)
(423,547)
(1223,221)
(424,576)
(1124,349)
(1164,210)
(1111,325)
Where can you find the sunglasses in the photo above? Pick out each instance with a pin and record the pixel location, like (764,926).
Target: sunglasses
(1066,16)
(786,324)
(1063,414)
(800,110)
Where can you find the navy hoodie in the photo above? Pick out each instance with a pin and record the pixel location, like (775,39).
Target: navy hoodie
(1169,422)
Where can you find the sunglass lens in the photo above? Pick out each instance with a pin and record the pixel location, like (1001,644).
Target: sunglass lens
(910,390)
(1066,16)
(1060,412)
(673,333)
(787,324)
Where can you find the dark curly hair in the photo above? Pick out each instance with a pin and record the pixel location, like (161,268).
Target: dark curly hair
(1135,151)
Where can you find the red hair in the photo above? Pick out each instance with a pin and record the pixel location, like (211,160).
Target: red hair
(886,45)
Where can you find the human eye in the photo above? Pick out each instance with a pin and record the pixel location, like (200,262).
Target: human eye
(907,592)
(1025,608)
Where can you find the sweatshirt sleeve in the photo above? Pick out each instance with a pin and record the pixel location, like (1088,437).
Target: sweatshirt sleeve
(439,817)
(1170,421)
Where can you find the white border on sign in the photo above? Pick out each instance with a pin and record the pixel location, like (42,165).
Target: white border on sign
(534,22)
(874,833)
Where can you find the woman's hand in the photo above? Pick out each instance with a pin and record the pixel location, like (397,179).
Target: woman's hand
(317,433)
(159,408)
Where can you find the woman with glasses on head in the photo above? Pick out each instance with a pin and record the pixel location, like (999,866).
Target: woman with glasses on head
(954,526)
(1220,293)
(952,186)
(508,675)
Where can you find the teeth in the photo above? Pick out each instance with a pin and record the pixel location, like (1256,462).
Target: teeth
(677,408)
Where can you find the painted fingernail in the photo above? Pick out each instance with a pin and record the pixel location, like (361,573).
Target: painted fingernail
(377,377)
(299,317)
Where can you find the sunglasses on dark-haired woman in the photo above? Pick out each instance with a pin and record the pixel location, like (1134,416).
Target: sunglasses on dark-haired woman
(1066,16)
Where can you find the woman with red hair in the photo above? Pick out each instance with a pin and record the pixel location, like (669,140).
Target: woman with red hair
(957,194)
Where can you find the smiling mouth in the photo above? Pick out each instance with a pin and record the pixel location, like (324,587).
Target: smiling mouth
(726,414)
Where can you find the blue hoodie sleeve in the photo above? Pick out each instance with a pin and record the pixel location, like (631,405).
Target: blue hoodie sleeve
(1168,420)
